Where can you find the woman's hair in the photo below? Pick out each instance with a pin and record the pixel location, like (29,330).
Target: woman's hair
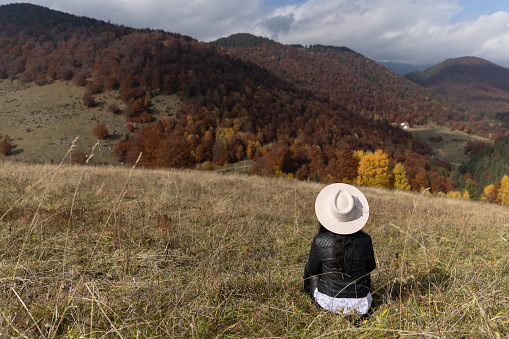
(345,250)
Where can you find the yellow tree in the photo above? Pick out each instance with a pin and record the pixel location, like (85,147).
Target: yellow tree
(503,192)
(400,179)
(453,194)
(489,193)
(465,195)
(374,169)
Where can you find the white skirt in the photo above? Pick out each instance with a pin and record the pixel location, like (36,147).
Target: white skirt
(344,305)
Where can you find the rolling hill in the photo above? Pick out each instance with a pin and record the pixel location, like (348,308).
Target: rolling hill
(480,86)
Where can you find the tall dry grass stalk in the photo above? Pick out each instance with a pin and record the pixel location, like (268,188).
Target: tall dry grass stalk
(113,252)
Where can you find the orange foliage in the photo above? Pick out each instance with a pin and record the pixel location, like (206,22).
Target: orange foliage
(100,132)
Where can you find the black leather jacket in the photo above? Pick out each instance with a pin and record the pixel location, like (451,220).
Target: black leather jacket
(321,273)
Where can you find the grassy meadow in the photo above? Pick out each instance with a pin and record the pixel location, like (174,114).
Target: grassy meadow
(42,121)
(451,145)
(93,252)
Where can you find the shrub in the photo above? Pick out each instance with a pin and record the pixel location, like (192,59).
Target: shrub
(113,108)
(5,147)
(79,79)
(207,166)
(79,157)
(100,132)
(88,100)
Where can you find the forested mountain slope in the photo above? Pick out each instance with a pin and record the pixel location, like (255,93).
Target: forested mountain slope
(345,77)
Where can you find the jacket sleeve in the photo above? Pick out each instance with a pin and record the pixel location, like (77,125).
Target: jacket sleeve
(371,264)
(313,267)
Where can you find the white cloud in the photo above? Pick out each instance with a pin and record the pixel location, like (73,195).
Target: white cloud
(380,29)
(401,30)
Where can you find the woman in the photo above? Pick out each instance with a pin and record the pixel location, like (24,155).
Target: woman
(337,273)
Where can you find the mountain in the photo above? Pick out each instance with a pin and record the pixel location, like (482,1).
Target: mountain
(342,76)
(246,40)
(481,86)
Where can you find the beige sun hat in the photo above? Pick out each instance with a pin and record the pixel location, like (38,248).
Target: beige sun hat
(342,208)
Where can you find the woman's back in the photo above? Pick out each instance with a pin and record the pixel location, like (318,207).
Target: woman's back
(333,280)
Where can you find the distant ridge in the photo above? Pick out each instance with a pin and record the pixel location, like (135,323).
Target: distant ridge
(246,40)
(242,40)
(478,84)
(26,15)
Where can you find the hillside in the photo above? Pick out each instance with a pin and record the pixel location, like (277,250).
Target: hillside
(480,86)
(488,163)
(231,110)
(344,77)
(107,252)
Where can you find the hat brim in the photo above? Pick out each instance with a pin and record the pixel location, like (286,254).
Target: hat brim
(329,221)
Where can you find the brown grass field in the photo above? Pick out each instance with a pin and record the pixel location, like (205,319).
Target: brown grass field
(100,252)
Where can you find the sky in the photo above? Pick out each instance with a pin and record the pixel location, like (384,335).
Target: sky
(420,32)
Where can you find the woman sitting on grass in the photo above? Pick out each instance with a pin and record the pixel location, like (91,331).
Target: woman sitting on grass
(337,273)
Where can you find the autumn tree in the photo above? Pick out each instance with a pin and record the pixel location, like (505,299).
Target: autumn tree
(78,157)
(465,195)
(342,165)
(503,192)
(454,194)
(88,99)
(173,151)
(374,169)
(219,152)
(420,182)
(400,179)
(489,193)
(100,132)
(79,79)
(5,147)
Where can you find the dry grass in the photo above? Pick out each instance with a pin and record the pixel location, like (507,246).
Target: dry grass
(108,252)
